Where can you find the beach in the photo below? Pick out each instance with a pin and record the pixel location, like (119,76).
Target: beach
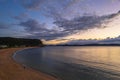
(11,70)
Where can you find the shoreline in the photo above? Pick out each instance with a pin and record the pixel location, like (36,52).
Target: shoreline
(11,70)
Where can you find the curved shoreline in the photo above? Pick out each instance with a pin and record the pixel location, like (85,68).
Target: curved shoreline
(80,70)
(11,70)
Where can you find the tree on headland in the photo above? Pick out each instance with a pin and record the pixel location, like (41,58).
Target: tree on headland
(18,42)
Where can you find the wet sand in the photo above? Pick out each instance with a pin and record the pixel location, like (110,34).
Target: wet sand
(10,70)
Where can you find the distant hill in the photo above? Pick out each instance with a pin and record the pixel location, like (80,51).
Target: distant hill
(89,45)
(93,42)
(18,42)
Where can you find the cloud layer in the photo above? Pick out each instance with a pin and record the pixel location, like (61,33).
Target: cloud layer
(67,17)
(66,27)
(105,41)
(4,26)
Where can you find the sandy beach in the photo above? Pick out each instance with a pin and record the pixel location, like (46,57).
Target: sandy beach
(10,70)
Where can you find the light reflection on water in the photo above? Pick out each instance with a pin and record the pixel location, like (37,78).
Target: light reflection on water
(104,56)
(74,61)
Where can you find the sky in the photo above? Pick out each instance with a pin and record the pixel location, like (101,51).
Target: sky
(60,21)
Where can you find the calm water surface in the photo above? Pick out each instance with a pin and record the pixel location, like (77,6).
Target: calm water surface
(74,63)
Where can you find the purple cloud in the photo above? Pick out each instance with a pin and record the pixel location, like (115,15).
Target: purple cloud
(105,41)
(85,22)
(32,4)
(22,16)
(4,26)
(40,30)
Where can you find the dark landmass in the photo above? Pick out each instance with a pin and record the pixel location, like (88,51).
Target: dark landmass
(19,42)
(88,45)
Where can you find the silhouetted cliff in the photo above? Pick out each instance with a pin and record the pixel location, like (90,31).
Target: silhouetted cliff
(18,42)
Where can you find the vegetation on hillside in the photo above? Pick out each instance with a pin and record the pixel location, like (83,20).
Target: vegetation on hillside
(19,42)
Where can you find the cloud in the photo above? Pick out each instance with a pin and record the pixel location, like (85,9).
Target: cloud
(85,22)
(62,8)
(68,27)
(108,40)
(22,16)
(54,8)
(39,30)
(48,35)
(81,42)
(115,0)
(65,18)
(32,4)
(33,26)
(36,4)
(115,40)
(4,26)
